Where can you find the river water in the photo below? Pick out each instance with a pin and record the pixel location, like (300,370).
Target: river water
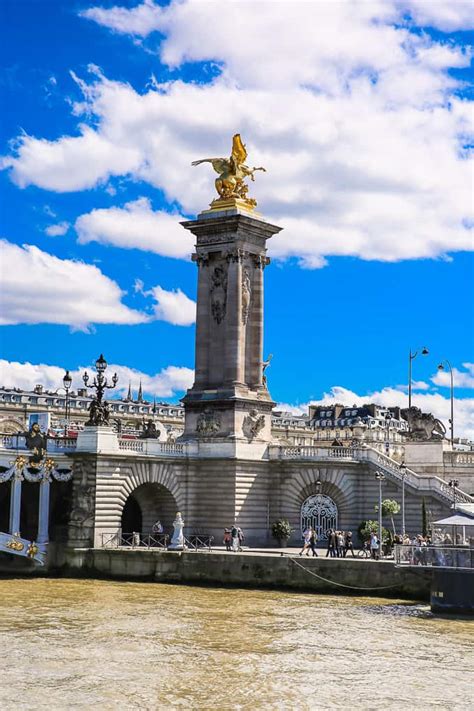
(81,644)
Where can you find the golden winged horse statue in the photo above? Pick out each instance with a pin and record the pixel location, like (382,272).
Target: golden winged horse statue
(232,173)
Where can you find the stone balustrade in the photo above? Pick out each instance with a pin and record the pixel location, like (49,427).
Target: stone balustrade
(53,444)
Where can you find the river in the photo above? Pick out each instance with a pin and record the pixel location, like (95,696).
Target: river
(78,644)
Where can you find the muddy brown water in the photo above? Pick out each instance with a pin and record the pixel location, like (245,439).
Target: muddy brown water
(82,644)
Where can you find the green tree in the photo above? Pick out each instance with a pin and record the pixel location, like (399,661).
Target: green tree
(390,507)
(366,528)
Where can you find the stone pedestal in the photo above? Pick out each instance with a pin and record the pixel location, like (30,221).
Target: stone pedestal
(229,399)
(99,439)
(425,453)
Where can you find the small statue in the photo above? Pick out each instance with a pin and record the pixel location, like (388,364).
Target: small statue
(232,172)
(265,365)
(36,443)
(149,430)
(423,426)
(177,540)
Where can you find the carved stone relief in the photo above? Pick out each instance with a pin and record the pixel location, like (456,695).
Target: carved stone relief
(246,294)
(218,293)
(253,424)
(208,423)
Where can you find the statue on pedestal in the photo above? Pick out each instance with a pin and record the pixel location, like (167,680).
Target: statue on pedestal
(177,540)
(232,172)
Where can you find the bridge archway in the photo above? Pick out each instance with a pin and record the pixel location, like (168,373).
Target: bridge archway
(321,513)
(145,505)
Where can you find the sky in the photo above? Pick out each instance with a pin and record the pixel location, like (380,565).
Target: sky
(361,113)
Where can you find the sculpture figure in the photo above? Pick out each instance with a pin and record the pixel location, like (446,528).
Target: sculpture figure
(177,540)
(36,443)
(422,425)
(253,424)
(232,173)
(265,365)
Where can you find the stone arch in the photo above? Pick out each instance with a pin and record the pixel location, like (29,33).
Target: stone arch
(113,490)
(301,483)
(145,505)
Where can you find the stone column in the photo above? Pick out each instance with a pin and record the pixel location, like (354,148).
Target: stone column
(202,322)
(256,352)
(15,503)
(43,516)
(233,364)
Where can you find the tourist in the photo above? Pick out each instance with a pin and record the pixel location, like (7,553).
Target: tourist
(331,543)
(306,541)
(227,540)
(240,536)
(339,544)
(157,527)
(234,532)
(348,544)
(374,546)
(312,542)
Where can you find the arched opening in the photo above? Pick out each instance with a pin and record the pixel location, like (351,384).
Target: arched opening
(132,520)
(147,504)
(5,493)
(320,512)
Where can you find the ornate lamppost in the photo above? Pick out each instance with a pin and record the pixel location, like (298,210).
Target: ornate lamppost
(451,421)
(388,418)
(67,382)
(98,409)
(403,472)
(380,476)
(424,351)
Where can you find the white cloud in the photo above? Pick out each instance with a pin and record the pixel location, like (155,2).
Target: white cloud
(446,15)
(393,397)
(363,140)
(173,306)
(57,230)
(135,226)
(461,379)
(166,383)
(38,287)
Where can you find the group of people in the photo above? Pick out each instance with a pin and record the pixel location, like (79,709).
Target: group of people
(339,543)
(233,538)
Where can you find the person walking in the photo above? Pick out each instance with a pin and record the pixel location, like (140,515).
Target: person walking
(339,544)
(313,539)
(241,537)
(331,551)
(227,540)
(306,541)
(348,544)
(374,546)
(234,532)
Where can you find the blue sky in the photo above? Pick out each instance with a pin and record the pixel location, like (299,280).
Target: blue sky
(360,113)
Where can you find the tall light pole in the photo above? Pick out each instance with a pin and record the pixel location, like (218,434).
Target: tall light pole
(403,472)
(451,421)
(67,382)
(98,409)
(453,483)
(411,358)
(380,476)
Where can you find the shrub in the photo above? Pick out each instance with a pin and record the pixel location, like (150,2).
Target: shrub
(366,527)
(281,530)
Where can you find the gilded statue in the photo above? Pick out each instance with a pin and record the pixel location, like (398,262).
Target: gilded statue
(232,173)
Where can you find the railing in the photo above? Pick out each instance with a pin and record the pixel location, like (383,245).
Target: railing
(311,452)
(53,444)
(199,542)
(459,458)
(135,540)
(152,447)
(461,556)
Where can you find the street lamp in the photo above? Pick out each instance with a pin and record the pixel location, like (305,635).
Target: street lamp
(318,487)
(98,409)
(451,421)
(453,483)
(403,472)
(411,358)
(67,382)
(388,418)
(380,476)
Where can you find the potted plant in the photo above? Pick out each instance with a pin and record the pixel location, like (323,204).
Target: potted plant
(281,530)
